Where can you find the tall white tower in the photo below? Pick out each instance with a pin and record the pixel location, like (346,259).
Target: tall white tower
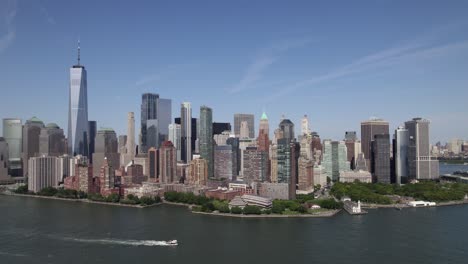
(78,110)
(305,130)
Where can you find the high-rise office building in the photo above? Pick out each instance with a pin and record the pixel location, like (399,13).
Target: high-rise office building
(255,165)
(149,111)
(31,131)
(13,134)
(43,172)
(52,141)
(175,138)
(78,110)
(4,152)
(305,164)
(188,131)
(335,158)
(287,164)
(106,148)
(249,118)
(380,157)
(153,159)
(219,128)
(400,154)
(122,141)
(421,165)
(164,119)
(106,177)
(167,163)
(236,155)
(223,162)
(92,130)
(369,129)
(287,129)
(206,138)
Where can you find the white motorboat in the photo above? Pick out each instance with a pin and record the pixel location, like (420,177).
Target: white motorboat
(171,242)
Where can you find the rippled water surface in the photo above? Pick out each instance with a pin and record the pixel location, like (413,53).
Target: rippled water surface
(47,231)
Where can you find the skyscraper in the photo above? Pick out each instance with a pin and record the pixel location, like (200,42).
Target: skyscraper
(186,132)
(175,138)
(167,163)
(244,130)
(286,163)
(130,148)
(153,157)
(305,130)
(421,165)
(4,159)
(287,128)
(206,138)
(164,119)
(31,131)
(223,162)
(198,172)
(334,158)
(106,148)
(13,134)
(52,141)
(92,129)
(263,139)
(236,155)
(149,111)
(400,154)
(380,157)
(369,129)
(78,110)
(238,118)
(255,165)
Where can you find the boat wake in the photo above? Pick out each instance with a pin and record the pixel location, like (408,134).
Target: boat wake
(147,243)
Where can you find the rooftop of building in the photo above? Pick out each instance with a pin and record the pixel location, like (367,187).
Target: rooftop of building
(106,129)
(264,116)
(52,125)
(35,120)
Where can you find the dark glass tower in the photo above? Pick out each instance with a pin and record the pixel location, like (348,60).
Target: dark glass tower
(149,111)
(206,138)
(92,138)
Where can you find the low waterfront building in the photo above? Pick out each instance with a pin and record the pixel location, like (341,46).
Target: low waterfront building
(351,176)
(253,200)
(222,194)
(352,207)
(274,190)
(149,189)
(43,172)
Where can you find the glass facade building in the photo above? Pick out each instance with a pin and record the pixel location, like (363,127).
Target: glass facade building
(13,135)
(78,111)
(206,138)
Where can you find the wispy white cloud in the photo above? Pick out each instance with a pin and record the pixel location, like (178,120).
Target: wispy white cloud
(263,61)
(8,15)
(417,51)
(47,15)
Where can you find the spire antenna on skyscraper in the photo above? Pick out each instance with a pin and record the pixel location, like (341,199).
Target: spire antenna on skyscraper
(78,52)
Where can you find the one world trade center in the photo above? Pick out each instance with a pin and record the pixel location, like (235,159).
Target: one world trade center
(78,110)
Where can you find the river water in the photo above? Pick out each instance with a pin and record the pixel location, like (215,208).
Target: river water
(49,231)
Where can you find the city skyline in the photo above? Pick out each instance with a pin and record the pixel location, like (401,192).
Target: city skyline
(410,67)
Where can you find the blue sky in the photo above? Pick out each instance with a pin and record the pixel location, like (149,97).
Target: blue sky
(339,62)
